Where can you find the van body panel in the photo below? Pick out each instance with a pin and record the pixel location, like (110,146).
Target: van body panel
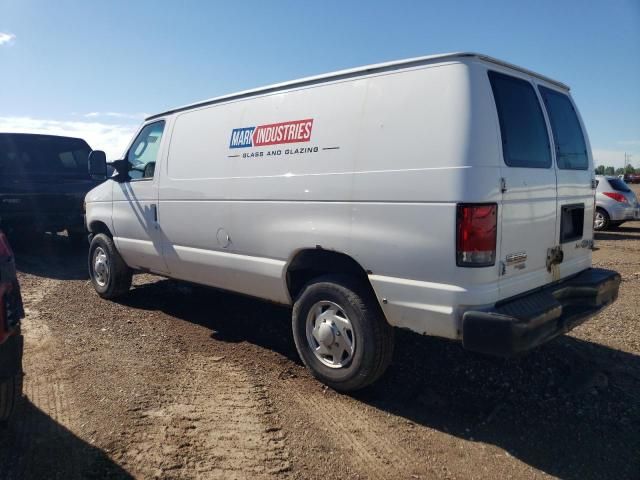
(255,276)
(99,203)
(378,162)
(528,223)
(356,72)
(407,303)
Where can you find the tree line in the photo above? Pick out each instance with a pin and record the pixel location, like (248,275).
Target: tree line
(602,170)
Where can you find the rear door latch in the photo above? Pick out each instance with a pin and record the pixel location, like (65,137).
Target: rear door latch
(554,257)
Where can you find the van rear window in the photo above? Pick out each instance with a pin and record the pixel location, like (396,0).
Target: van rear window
(525,141)
(571,149)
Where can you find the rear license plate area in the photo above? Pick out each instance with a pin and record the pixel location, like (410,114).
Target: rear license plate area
(571,222)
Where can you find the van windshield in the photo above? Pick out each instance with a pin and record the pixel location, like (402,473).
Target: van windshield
(23,155)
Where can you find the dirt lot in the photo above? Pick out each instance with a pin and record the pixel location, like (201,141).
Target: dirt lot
(181,382)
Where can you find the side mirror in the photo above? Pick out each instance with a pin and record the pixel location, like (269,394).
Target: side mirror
(98,165)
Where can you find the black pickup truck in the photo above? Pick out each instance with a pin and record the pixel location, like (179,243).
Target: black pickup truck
(43,181)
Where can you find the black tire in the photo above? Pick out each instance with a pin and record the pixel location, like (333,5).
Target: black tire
(118,280)
(373,346)
(606,223)
(8,396)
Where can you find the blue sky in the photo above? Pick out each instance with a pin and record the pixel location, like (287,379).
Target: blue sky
(95,68)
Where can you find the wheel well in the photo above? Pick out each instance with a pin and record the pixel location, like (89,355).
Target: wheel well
(99,227)
(313,263)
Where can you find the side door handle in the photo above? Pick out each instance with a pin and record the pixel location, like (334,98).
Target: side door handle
(154,212)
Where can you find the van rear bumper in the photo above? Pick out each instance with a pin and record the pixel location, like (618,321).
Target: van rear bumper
(516,325)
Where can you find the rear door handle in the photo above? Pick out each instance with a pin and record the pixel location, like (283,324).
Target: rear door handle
(154,212)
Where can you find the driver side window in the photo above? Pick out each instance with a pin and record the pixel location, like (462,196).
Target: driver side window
(143,153)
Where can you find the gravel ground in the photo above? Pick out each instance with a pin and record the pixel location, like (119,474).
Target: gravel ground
(177,382)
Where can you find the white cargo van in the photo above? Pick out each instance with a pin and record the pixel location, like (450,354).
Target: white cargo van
(451,195)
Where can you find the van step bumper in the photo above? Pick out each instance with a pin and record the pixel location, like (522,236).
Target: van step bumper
(526,321)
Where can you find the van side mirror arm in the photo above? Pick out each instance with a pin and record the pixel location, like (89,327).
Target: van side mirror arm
(122,167)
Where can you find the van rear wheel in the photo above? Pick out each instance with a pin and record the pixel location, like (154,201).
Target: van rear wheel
(341,334)
(110,276)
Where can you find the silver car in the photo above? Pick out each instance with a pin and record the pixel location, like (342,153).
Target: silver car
(615,203)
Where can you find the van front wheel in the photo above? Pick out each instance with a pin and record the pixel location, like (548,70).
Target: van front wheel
(109,274)
(341,334)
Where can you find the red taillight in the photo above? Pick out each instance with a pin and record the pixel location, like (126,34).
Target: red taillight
(476,235)
(5,248)
(618,197)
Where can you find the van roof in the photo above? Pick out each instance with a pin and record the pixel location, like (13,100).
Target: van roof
(355,72)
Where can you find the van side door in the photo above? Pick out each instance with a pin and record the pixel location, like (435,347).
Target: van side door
(195,187)
(137,232)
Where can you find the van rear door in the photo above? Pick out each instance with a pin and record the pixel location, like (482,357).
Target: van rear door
(528,209)
(574,182)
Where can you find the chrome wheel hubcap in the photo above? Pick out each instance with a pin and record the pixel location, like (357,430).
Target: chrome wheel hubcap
(330,334)
(100,266)
(599,222)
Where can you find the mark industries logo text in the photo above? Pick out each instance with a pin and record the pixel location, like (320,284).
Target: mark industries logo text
(274,134)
